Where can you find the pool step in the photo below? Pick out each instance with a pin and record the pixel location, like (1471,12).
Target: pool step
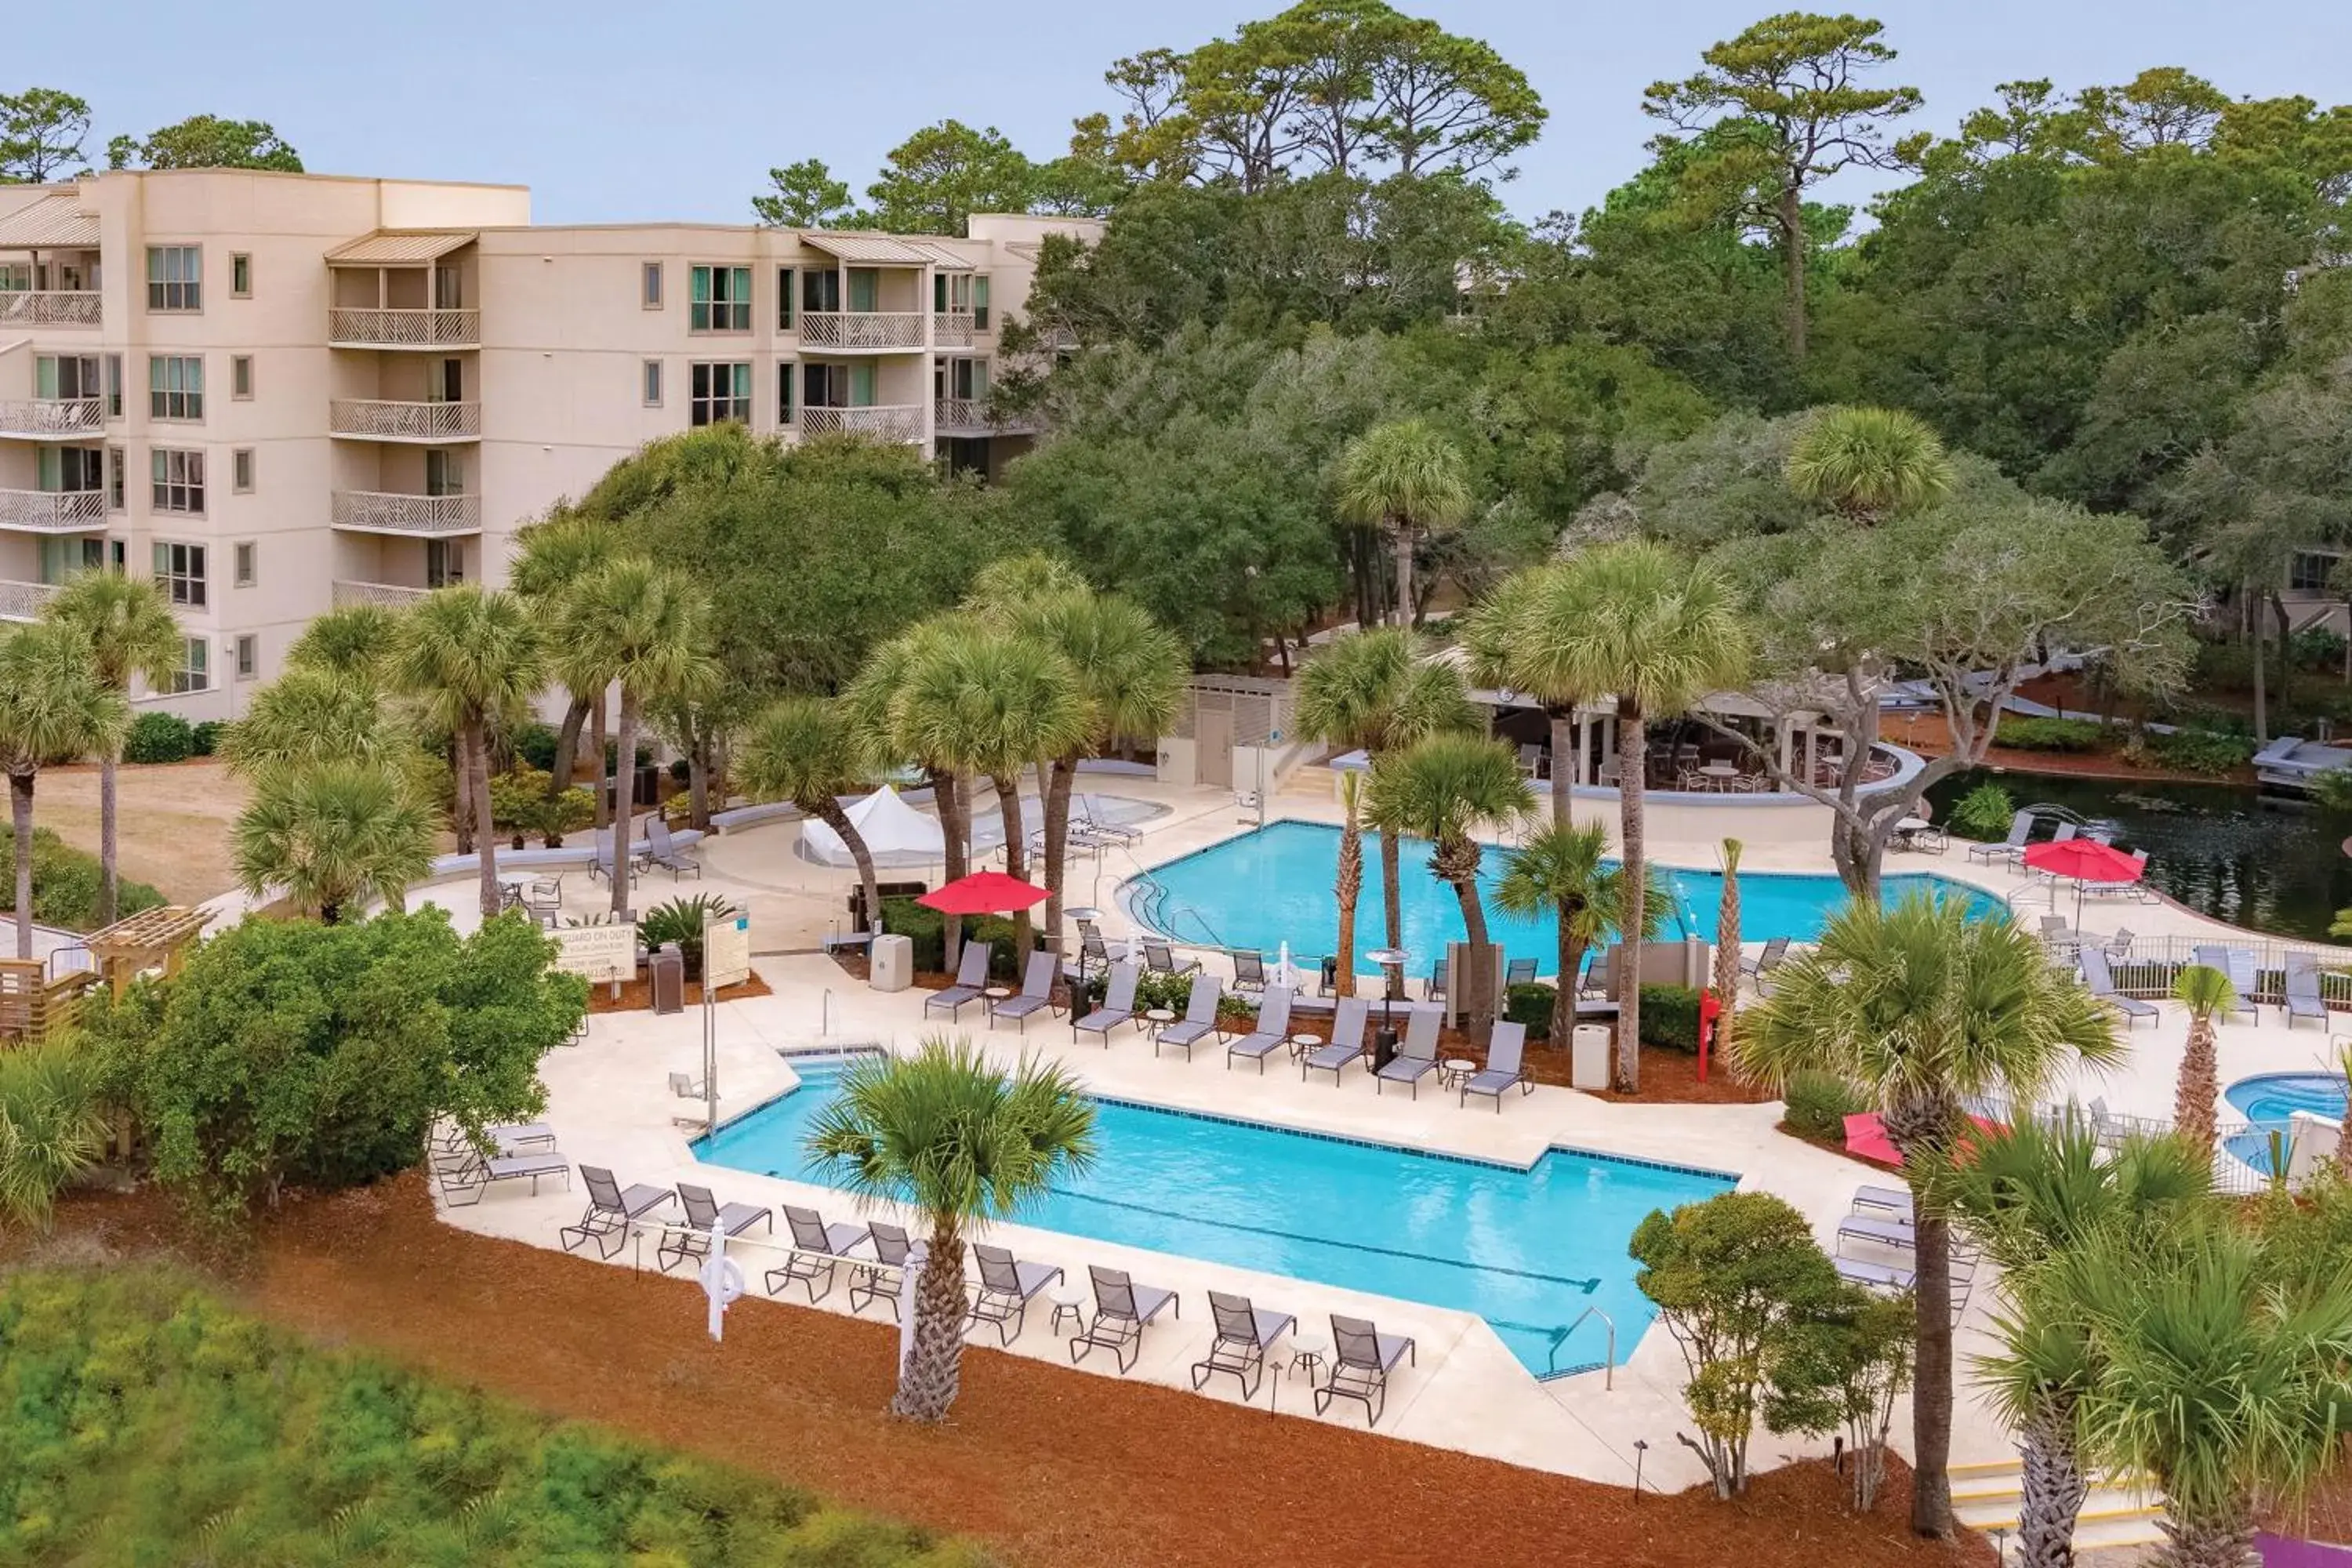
(2118,1512)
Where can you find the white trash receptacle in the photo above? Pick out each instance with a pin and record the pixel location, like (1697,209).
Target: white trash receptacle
(892,963)
(1588,1056)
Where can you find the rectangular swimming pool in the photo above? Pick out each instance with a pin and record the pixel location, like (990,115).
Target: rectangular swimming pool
(1526,1250)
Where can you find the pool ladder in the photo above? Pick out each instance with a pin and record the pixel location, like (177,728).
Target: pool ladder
(1608,1368)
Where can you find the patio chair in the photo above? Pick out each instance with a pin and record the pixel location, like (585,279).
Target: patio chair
(2239,965)
(1519,971)
(2303,996)
(1361,1359)
(2021,828)
(1123,1310)
(1416,1056)
(1531,762)
(1599,974)
(468,1176)
(1118,1005)
(1161,959)
(818,1249)
(611,1211)
(1244,1336)
(603,865)
(543,899)
(2119,945)
(2100,982)
(702,1212)
(1896,1201)
(1200,1019)
(682,1086)
(1503,1069)
(879,1280)
(1249,970)
(971,981)
(666,852)
(1272,1033)
(1347,1040)
(1775,953)
(1007,1286)
(1435,986)
(1036,992)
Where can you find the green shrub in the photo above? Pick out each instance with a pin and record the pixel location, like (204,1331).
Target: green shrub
(203,739)
(1670,1017)
(2332,789)
(1531,1005)
(926,927)
(66,883)
(160,738)
(56,1127)
(2317,648)
(1818,1104)
(1984,813)
(1152,989)
(681,921)
(2200,751)
(535,744)
(2052,735)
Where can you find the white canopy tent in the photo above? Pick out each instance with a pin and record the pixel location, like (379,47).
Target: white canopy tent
(895,833)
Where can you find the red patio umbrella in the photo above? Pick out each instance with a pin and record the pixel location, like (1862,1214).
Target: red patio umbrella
(983,893)
(2085,861)
(1866,1135)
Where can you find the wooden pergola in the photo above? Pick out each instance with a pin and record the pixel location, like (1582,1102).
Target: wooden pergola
(152,939)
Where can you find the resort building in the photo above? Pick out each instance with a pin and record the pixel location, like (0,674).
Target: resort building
(281,392)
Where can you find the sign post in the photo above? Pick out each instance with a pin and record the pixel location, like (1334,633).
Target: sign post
(726,960)
(604,954)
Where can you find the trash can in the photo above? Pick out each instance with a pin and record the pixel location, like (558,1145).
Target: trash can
(890,964)
(646,789)
(668,969)
(1587,1060)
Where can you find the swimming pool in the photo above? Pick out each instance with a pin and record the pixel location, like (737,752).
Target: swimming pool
(1273,885)
(2269,1100)
(1526,1250)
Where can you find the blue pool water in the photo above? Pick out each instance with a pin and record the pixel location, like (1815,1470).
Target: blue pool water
(1526,1250)
(1273,885)
(2269,1099)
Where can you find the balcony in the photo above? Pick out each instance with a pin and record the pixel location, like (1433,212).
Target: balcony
(374,328)
(885,424)
(951,328)
(52,418)
(863,330)
(419,517)
(375,419)
(22,601)
(974,416)
(53,512)
(50,308)
(389,596)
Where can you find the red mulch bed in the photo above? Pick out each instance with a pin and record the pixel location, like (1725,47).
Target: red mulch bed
(637,995)
(1051,1467)
(1929,735)
(1671,1077)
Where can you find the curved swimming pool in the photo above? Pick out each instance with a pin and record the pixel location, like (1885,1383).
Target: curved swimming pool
(1273,885)
(2269,1102)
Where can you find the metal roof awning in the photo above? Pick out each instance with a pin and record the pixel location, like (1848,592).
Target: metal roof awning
(877,248)
(941,257)
(53,223)
(401,247)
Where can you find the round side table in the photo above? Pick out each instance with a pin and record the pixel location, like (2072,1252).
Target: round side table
(1303,1042)
(1068,1302)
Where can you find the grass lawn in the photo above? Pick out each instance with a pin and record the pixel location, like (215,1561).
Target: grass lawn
(174,828)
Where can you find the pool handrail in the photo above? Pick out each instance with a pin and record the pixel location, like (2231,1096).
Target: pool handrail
(1608,1367)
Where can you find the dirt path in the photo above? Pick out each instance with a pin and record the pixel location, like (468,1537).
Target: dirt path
(173,826)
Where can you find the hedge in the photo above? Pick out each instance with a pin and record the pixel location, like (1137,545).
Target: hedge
(1817,1104)
(2030,734)
(1670,1017)
(160,738)
(66,883)
(1530,1005)
(928,929)
(203,739)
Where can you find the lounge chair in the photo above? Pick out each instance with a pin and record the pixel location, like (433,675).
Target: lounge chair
(879,1278)
(1883,1276)
(667,853)
(1775,953)
(1200,1019)
(1090,813)
(611,1211)
(1436,986)
(2239,965)
(2065,830)
(1007,1286)
(971,981)
(465,1176)
(603,865)
(817,1250)
(1519,971)
(1161,959)
(1118,1005)
(1123,1310)
(1249,970)
(1347,1040)
(2101,984)
(2303,996)
(1503,1068)
(1036,992)
(1599,976)
(1243,1335)
(1886,1230)
(1896,1201)
(2021,828)
(1272,1033)
(505,1137)
(702,1212)
(1361,1359)
(1416,1057)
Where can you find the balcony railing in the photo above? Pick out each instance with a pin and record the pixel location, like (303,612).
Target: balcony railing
(404,328)
(53,512)
(862,329)
(22,601)
(389,596)
(894,423)
(387,421)
(974,416)
(52,418)
(50,308)
(379,511)
(951,328)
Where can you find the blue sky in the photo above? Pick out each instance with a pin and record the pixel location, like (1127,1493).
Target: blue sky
(614,112)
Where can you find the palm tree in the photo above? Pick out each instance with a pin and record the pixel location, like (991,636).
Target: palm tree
(331,833)
(553,556)
(1348,886)
(356,641)
(1505,653)
(874,700)
(470,653)
(2207,994)
(1726,943)
(52,1125)
(653,630)
(1369,691)
(1564,869)
(1660,632)
(1921,1009)
(311,714)
(956,1139)
(1868,463)
(1407,479)
(53,708)
(811,751)
(1446,788)
(129,624)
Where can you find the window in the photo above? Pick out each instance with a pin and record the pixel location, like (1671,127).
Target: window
(176,386)
(980,302)
(241,564)
(653,384)
(240,375)
(248,655)
(240,471)
(118,481)
(821,290)
(179,482)
(865,288)
(721,299)
(2310,570)
(721,391)
(67,377)
(445,563)
(651,286)
(180,569)
(240,275)
(176,278)
(445,475)
(120,554)
(784,299)
(784,393)
(115,387)
(194,673)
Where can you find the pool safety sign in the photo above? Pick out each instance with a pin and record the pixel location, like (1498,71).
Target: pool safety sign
(598,954)
(727,952)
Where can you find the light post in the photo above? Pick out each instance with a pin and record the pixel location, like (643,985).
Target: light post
(1086,915)
(1391,961)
